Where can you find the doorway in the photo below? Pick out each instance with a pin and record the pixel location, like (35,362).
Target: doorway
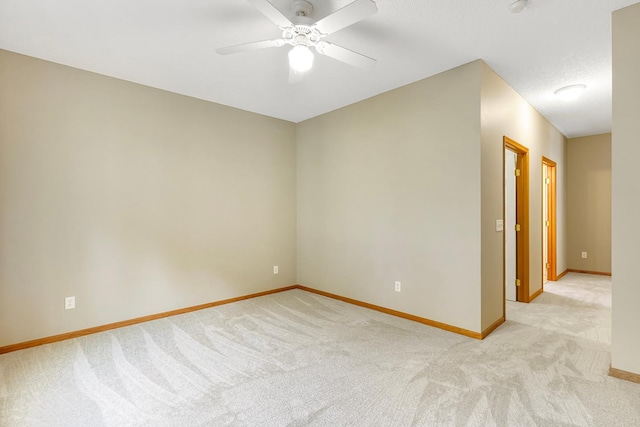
(516,225)
(510,246)
(548,220)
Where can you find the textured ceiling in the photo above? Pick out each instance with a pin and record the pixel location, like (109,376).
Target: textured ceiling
(170,44)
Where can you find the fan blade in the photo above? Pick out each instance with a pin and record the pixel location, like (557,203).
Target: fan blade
(271,12)
(245,47)
(345,55)
(350,14)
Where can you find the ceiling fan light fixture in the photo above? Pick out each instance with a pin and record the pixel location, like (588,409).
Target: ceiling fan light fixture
(569,93)
(518,6)
(301,58)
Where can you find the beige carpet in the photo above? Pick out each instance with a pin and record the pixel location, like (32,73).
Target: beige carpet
(300,359)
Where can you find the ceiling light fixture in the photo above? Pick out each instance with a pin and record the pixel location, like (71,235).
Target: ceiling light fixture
(300,58)
(518,6)
(569,93)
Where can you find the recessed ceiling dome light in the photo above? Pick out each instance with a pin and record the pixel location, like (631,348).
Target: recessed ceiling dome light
(569,93)
(518,6)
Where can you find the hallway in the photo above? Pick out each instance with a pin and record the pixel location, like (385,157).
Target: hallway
(578,305)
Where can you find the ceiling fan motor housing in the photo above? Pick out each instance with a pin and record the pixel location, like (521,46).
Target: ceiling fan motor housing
(301,35)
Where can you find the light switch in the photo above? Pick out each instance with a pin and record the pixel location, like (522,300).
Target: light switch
(499,225)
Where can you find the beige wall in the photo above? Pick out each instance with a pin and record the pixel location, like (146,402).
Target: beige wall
(139,201)
(374,205)
(626,190)
(505,113)
(389,189)
(135,200)
(589,203)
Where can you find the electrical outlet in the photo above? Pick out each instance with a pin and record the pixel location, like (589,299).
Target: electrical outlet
(275,269)
(69,303)
(398,286)
(584,254)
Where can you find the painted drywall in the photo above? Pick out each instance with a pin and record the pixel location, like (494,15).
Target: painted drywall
(134,200)
(589,203)
(505,113)
(139,201)
(625,352)
(389,190)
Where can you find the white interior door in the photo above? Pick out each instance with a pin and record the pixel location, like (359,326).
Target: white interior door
(510,163)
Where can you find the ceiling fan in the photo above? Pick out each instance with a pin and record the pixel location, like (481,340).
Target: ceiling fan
(302,33)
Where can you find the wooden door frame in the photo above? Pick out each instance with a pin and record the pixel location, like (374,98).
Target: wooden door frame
(522,216)
(551,206)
